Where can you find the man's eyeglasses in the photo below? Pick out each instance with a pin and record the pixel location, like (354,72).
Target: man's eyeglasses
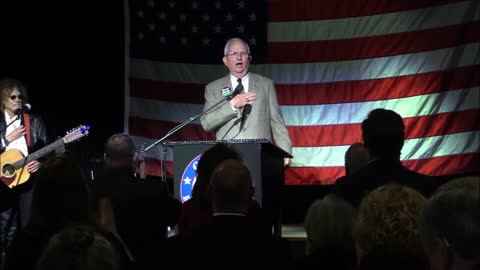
(13,97)
(236,54)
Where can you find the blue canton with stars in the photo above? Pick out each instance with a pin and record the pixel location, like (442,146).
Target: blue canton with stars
(195,31)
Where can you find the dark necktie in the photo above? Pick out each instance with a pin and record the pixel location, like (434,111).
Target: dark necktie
(239,88)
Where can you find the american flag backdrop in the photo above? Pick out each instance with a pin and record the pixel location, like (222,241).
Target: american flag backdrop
(332,61)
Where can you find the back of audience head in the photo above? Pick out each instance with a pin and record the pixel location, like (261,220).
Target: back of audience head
(383,134)
(79,248)
(231,187)
(60,194)
(450,225)
(388,221)
(207,163)
(120,152)
(328,224)
(356,157)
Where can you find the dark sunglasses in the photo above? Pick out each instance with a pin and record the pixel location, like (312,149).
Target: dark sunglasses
(15,97)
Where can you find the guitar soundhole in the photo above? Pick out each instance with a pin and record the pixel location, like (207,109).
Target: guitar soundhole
(8,170)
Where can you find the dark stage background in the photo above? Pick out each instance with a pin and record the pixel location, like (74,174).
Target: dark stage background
(70,56)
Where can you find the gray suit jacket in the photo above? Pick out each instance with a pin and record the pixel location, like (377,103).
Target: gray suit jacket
(262,120)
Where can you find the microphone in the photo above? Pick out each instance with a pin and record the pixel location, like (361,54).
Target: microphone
(228,94)
(25,108)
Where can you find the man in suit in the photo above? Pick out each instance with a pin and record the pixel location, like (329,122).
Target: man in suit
(254,112)
(383,135)
(24,132)
(229,237)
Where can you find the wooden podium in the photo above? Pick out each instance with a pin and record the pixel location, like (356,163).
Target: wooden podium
(263,159)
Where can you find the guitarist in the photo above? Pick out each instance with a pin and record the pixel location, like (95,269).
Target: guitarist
(26,133)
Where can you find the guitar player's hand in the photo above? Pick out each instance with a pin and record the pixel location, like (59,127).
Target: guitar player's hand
(18,132)
(33,166)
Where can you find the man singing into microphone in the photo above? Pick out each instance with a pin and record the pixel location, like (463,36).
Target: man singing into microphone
(253,112)
(23,135)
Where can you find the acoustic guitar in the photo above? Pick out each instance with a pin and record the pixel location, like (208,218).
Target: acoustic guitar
(14,165)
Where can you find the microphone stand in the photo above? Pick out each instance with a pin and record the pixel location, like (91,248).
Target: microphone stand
(180,126)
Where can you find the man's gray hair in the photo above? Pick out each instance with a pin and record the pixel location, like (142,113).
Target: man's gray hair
(225,50)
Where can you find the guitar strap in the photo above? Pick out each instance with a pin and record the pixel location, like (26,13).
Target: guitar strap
(26,118)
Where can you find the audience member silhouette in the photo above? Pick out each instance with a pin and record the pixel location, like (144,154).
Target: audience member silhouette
(61,198)
(450,226)
(383,134)
(229,237)
(386,230)
(356,158)
(79,247)
(329,244)
(142,208)
(197,211)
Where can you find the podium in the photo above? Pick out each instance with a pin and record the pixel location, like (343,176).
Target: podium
(263,159)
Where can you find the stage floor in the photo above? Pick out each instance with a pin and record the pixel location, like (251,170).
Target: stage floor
(288,231)
(293,231)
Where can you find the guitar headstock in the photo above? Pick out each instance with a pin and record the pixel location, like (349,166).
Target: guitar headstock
(76,133)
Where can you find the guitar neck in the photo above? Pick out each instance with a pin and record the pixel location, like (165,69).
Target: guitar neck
(39,153)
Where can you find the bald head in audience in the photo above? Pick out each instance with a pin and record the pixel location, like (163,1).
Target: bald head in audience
(120,151)
(356,157)
(231,187)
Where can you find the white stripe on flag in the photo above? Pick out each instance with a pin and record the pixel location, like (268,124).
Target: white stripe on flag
(437,146)
(331,114)
(328,156)
(374,25)
(365,69)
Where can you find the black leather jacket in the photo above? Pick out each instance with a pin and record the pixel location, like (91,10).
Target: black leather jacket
(38,132)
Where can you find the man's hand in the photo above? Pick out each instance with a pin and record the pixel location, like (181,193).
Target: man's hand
(243,99)
(16,133)
(33,166)
(287,161)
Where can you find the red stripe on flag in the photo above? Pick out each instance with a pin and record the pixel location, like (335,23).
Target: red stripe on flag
(167,91)
(156,129)
(324,135)
(446,165)
(379,89)
(326,93)
(306,10)
(438,124)
(293,176)
(375,46)
(310,175)
(153,167)
(442,124)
